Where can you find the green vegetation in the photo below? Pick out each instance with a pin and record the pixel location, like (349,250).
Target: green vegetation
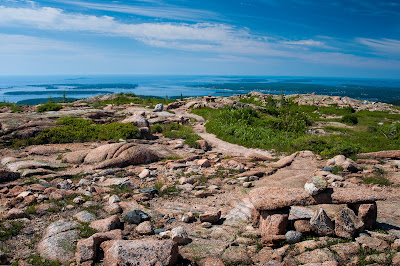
(378,178)
(168,192)
(177,131)
(337,169)
(10,229)
(80,130)
(127,98)
(349,120)
(36,260)
(50,106)
(120,189)
(282,125)
(85,230)
(13,107)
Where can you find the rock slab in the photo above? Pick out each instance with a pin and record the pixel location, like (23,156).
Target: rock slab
(140,252)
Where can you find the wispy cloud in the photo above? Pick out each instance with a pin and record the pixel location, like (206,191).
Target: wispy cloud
(388,47)
(161,10)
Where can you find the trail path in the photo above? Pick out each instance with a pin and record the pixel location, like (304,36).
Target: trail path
(217,144)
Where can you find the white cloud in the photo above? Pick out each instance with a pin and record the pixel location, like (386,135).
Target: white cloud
(382,46)
(306,43)
(218,39)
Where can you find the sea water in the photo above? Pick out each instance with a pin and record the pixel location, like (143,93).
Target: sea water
(20,88)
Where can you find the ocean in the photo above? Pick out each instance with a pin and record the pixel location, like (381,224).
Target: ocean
(24,89)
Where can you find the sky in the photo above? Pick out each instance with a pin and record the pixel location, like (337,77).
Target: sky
(337,38)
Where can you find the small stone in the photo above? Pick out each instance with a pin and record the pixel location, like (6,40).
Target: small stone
(293,237)
(158,108)
(180,236)
(202,144)
(105,225)
(188,217)
(145,173)
(159,231)
(145,228)
(136,217)
(211,217)
(113,199)
(24,194)
(149,190)
(204,163)
(247,184)
(321,223)
(327,169)
(303,226)
(15,213)
(114,208)
(85,217)
(78,200)
(316,185)
(206,224)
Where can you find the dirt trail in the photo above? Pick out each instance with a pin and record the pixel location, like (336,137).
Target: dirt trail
(219,145)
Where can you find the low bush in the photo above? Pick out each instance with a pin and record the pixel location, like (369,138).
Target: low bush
(49,107)
(349,120)
(71,130)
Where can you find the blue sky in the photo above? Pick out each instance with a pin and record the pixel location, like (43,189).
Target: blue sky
(340,38)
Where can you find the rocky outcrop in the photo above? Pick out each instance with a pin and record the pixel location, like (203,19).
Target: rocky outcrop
(381,155)
(272,198)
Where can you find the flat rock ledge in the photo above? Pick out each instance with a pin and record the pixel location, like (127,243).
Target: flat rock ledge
(273,198)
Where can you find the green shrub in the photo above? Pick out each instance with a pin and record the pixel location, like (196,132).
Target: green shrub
(349,120)
(49,107)
(80,130)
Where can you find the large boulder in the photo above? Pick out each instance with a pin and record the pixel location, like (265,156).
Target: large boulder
(58,241)
(131,156)
(140,252)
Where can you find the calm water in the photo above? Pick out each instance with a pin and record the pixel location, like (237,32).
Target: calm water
(18,88)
